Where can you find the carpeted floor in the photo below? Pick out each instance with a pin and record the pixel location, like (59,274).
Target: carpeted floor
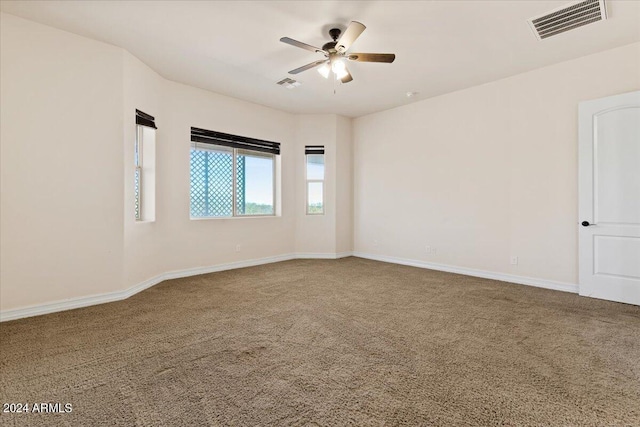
(329,342)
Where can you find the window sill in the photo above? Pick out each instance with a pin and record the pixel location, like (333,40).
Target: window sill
(205,218)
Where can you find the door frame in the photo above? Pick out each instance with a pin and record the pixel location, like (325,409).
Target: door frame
(587,111)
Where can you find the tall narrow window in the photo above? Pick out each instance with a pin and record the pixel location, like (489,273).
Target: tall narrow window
(231,175)
(315,179)
(145,167)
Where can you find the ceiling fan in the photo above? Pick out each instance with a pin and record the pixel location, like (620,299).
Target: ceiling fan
(335,53)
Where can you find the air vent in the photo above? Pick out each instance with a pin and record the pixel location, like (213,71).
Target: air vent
(568,18)
(288,83)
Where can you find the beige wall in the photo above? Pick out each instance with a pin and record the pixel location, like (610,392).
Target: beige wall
(331,233)
(478,175)
(68,129)
(344,185)
(143,90)
(61,185)
(191,243)
(174,241)
(315,234)
(485,173)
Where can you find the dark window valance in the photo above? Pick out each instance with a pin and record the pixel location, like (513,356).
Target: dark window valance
(314,149)
(145,119)
(235,141)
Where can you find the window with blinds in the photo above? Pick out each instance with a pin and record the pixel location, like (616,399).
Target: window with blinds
(314,171)
(144,158)
(232,175)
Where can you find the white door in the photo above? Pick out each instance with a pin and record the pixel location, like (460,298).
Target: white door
(609,192)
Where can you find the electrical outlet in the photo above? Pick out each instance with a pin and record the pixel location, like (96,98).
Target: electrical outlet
(434,251)
(514,260)
(238,248)
(428,249)
(375,242)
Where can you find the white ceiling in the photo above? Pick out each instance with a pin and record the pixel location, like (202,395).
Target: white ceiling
(233,48)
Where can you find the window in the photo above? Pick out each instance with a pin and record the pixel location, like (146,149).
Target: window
(145,165)
(315,179)
(231,175)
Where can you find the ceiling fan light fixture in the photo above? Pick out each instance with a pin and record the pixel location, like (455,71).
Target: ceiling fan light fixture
(341,74)
(324,71)
(338,66)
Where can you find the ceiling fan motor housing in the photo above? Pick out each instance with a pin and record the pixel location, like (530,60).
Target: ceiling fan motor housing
(331,46)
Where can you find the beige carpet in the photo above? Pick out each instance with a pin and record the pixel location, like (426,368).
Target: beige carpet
(330,342)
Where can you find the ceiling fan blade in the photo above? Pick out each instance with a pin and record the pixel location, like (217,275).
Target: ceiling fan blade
(372,57)
(347,78)
(308,66)
(296,43)
(350,35)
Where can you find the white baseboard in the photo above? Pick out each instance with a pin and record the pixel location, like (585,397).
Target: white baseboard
(72,303)
(69,304)
(343,254)
(87,301)
(228,266)
(314,255)
(503,277)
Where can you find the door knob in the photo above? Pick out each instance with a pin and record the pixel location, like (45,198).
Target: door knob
(586,223)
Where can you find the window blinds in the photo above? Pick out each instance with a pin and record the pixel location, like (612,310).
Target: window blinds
(314,149)
(235,141)
(145,119)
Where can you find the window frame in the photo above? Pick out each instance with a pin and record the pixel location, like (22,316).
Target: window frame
(234,153)
(310,181)
(137,170)
(144,168)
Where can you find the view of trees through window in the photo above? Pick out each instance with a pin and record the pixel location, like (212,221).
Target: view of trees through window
(256,183)
(215,184)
